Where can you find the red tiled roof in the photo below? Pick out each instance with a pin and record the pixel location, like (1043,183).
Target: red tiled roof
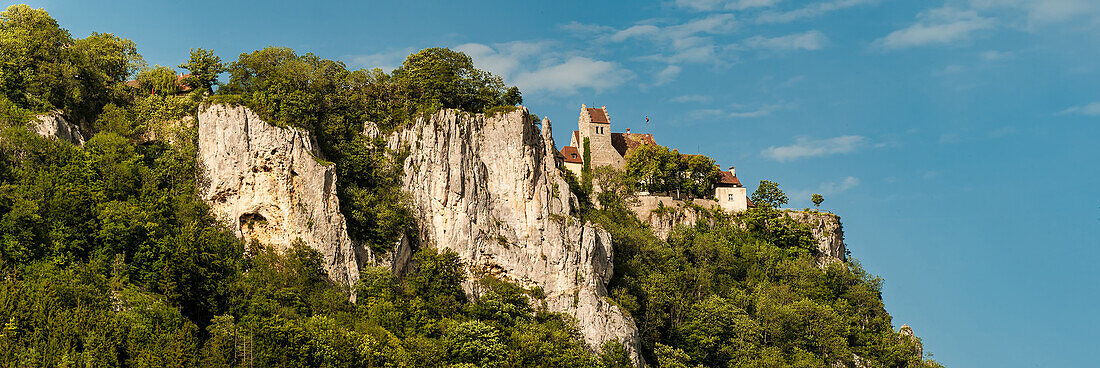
(725,178)
(577,137)
(597,115)
(571,155)
(624,142)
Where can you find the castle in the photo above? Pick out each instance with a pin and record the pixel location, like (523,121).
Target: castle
(610,149)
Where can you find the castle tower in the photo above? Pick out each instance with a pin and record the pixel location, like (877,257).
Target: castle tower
(595,124)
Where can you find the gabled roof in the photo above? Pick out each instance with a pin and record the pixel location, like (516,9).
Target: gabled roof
(571,155)
(725,178)
(597,115)
(624,142)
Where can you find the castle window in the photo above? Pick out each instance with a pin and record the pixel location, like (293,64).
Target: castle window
(731,197)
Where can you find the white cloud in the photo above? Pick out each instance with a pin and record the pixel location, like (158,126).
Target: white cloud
(687,42)
(709,5)
(575,73)
(945,25)
(810,11)
(537,67)
(668,74)
(388,60)
(762,111)
(739,113)
(585,29)
(1090,109)
(691,98)
(994,55)
(502,59)
(705,114)
(806,147)
(829,188)
(811,40)
(1041,12)
(839,187)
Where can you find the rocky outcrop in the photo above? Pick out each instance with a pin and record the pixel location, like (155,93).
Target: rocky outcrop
(663,213)
(55,125)
(488,187)
(828,232)
(270,184)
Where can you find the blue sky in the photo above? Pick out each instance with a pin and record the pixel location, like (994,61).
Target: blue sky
(957,139)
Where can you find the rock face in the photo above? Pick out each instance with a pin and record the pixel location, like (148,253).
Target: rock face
(55,125)
(829,233)
(663,213)
(488,187)
(269,184)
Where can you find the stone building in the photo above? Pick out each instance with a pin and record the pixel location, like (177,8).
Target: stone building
(610,149)
(730,194)
(605,148)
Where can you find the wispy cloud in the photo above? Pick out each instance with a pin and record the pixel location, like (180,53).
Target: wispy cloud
(572,74)
(1090,109)
(757,112)
(503,59)
(691,98)
(810,40)
(737,111)
(827,188)
(939,26)
(1043,12)
(839,187)
(810,11)
(994,55)
(537,68)
(687,42)
(805,147)
(668,74)
(710,5)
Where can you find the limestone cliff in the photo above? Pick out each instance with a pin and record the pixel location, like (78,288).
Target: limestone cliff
(488,187)
(828,232)
(55,125)
(269,184)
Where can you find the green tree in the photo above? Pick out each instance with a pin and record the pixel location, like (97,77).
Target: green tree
(435,78)
(513,97)
(158,80)
(769,195)
(45,69)
(476,343)
(204,68)
(817,199)
(36,68)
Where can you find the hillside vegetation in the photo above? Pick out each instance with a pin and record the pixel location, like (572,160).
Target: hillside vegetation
(109,258)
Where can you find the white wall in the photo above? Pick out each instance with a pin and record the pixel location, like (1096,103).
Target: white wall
(739,201)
